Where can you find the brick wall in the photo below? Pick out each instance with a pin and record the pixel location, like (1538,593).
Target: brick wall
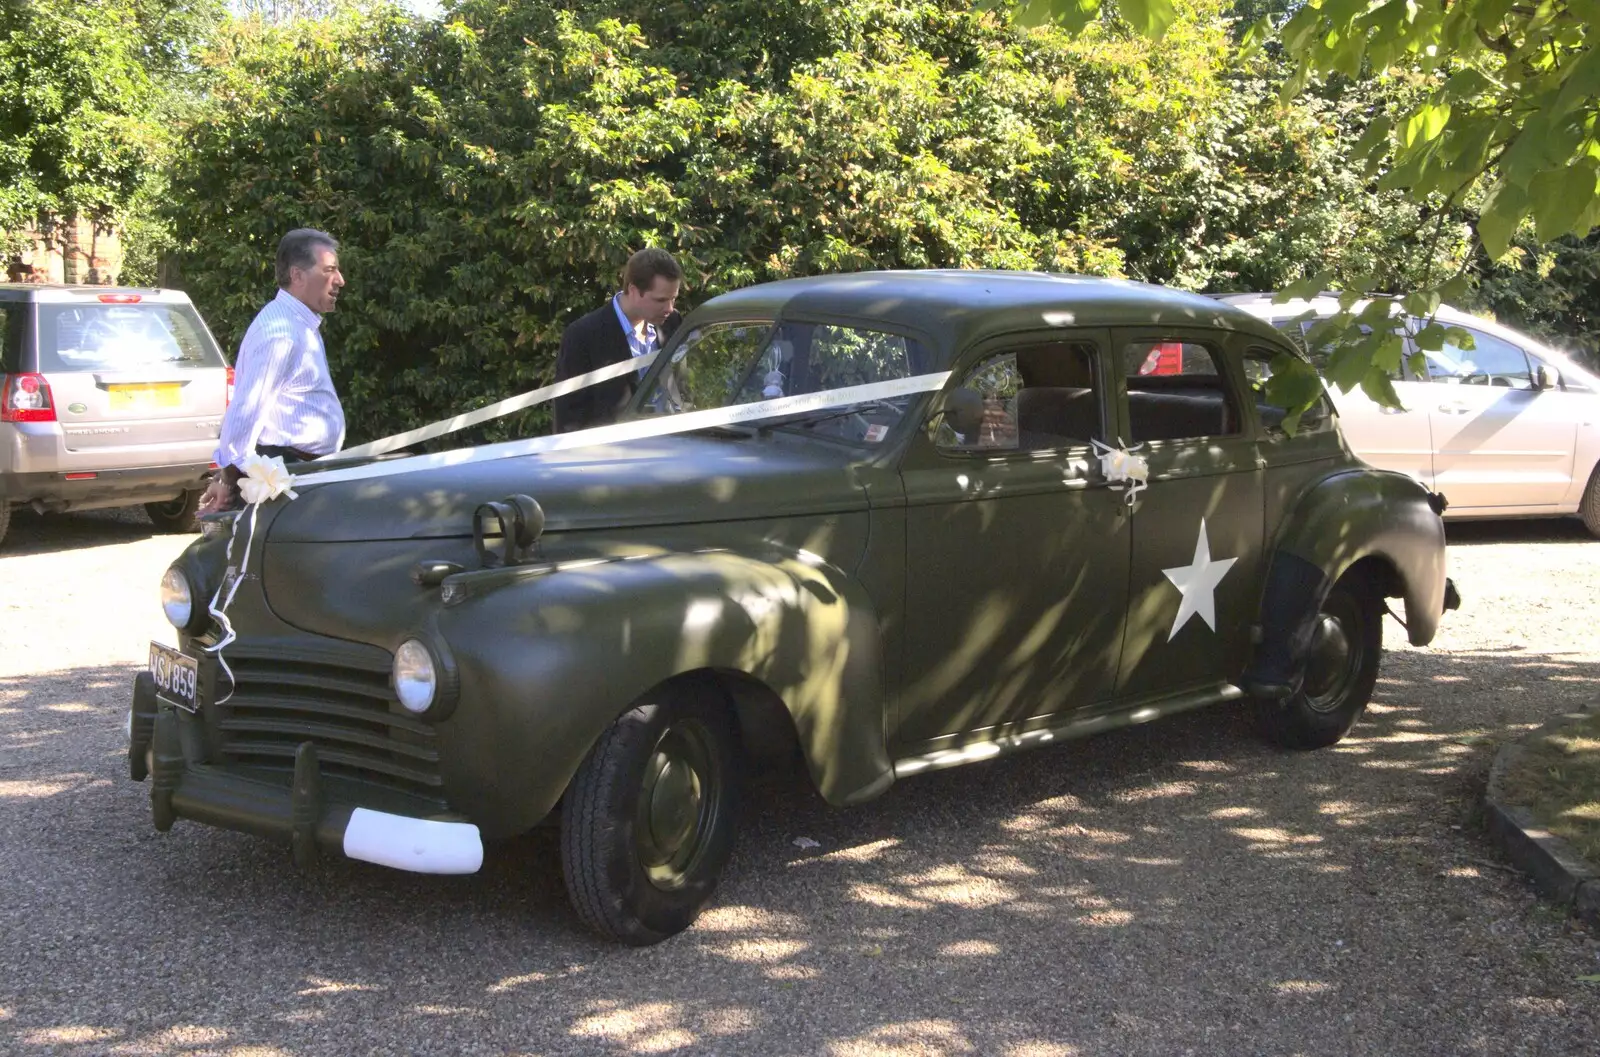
(78,250)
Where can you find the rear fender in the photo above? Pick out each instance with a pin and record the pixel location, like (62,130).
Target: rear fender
(559,655)
(1385,521)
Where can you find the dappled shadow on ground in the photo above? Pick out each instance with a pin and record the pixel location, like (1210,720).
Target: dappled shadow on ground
(1178,887)
(32,533)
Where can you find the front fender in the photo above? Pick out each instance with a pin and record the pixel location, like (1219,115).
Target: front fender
(557,654)
(1342,519)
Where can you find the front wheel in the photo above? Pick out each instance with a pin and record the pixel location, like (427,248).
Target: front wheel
(1589,509)
(1341,668)
(176,515)
(647,822)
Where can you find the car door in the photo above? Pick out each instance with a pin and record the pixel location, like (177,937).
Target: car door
(1017,550)
(1389,438)
(1194,577)
(1499,440)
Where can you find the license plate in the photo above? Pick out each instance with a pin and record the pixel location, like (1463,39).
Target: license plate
(143,397)
(177,676)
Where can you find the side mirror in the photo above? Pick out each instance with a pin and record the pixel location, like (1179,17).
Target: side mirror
(963,411)
(1546,377)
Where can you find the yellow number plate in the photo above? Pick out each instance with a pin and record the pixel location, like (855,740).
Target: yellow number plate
(142,397)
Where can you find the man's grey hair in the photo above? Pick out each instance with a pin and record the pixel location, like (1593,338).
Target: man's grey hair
(298,249)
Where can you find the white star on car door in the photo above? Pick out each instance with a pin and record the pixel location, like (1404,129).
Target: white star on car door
(1197,584)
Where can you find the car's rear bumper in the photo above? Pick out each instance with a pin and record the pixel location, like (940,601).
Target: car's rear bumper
(164,744)
(88,489)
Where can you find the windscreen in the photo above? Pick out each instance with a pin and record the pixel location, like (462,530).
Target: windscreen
(724,364)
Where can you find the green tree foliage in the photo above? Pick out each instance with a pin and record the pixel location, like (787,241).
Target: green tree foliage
(488,174)
(85,114)
(1551,290)
(1498,103)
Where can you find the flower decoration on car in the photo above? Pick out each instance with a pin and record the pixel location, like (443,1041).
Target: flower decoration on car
(265,479)
(1122,466)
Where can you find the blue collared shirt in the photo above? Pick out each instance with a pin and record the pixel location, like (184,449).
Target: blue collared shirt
(282,393)
(638,346)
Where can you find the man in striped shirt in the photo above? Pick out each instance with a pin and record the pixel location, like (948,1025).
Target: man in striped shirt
(284,402)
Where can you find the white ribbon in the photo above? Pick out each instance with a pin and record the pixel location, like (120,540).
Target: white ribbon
(496,409)
(655,426)
(264,479)
(1121,465)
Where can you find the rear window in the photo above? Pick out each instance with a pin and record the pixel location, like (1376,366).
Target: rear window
(100,337)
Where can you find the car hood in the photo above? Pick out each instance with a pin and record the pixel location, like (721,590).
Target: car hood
(658,481)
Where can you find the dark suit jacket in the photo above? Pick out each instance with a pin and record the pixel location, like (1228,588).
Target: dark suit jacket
(588,344)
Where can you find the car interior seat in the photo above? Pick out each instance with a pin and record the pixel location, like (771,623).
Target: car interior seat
(1056,404)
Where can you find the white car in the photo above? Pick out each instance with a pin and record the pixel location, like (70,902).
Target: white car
(1507,429)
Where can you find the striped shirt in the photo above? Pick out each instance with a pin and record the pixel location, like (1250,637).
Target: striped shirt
(282,394)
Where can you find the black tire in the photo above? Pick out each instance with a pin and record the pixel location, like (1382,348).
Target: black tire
(1341,669)
(1589,509)
(176,515)
(5,519)
(647,823)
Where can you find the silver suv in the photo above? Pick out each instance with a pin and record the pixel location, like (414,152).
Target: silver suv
(109,396)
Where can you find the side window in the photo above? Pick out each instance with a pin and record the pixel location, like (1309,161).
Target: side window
(1033,399)
(1257,373)
(12,315)
(1176,393)
(1489,362)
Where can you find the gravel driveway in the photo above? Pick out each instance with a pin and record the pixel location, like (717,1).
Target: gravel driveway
(1175,889)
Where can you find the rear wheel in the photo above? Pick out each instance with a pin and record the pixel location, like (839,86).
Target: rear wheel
(175,515)
(1589,509)
(647,822)
(1341,668)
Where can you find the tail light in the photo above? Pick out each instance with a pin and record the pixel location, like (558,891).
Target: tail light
(230,388)
(121,299)
(25,398)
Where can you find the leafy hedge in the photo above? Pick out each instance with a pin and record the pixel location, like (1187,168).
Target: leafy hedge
(489,174)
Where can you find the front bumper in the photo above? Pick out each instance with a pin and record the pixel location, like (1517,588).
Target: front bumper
(167,745)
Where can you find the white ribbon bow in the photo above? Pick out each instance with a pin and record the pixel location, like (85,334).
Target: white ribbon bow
(1121,465)
(264,480)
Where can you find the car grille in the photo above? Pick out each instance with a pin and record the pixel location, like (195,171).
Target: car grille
(334,695)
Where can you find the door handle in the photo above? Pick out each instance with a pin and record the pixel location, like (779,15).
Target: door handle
(1393,410)
(1455,409)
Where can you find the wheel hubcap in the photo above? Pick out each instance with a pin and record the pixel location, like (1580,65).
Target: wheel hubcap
(1331,662)
(677,804)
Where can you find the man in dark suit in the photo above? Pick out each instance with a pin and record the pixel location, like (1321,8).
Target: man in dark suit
(635,322)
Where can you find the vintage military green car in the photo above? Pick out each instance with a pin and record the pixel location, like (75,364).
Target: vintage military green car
(1010,508)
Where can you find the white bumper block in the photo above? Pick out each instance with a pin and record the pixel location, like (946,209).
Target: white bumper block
(417,845)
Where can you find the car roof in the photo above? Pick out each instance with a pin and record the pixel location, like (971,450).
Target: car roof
(69,293)
(956,307)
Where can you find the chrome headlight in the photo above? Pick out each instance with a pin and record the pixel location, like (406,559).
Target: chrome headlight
(177,597)
(416,677)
